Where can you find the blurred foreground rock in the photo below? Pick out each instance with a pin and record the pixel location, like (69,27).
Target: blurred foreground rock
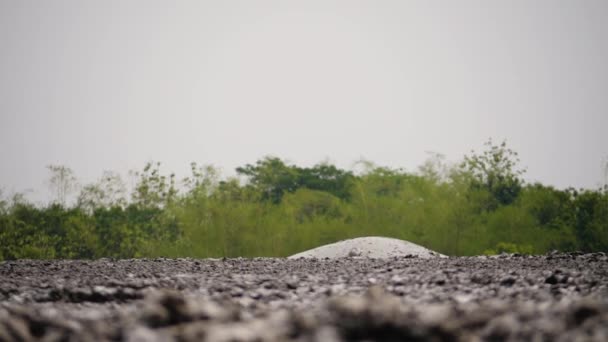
(557,297)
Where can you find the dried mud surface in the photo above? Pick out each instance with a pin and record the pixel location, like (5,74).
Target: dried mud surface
(541,298)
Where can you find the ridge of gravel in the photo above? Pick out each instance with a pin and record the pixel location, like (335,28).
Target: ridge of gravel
(559,296)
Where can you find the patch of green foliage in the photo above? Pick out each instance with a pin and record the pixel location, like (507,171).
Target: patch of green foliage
(481,205)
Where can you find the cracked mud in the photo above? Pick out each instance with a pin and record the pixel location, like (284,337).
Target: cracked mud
(509,297)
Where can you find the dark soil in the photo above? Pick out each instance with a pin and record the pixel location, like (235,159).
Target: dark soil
(556,297)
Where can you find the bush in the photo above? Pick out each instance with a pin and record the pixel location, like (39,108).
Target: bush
(480,206)
(511,248)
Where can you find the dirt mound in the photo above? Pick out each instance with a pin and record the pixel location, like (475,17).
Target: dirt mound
(369,247)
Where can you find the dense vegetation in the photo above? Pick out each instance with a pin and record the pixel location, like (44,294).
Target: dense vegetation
(480,205)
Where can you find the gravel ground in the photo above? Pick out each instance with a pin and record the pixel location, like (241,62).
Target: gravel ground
(537,298)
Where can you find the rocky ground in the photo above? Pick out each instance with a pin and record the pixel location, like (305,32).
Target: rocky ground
(553,297)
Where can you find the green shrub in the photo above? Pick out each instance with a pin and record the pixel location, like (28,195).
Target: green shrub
(480,206)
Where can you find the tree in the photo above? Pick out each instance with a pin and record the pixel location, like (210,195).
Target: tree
(328,178)
(307,205)
(552,208)
(591,220)
(62,182)
(3,203)
(109,191)
(434,167)
(605,174)
(154,190)
(495,170)
(203,179)
(272,177)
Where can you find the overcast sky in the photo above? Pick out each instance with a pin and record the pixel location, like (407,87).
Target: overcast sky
(108,85)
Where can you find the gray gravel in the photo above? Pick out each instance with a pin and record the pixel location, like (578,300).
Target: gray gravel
(542,298)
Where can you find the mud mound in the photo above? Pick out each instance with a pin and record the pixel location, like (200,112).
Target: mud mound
(369,247)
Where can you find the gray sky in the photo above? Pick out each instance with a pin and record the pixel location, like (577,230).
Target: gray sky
(108,85)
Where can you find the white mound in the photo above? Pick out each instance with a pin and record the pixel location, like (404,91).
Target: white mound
(368,247)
